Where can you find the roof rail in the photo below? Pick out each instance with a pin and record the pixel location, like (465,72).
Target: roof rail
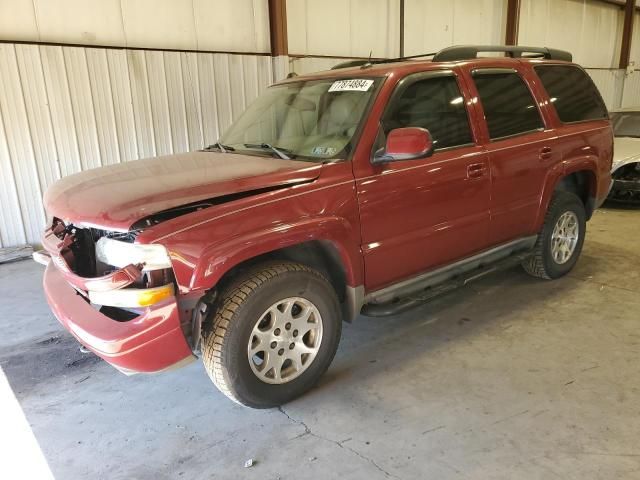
(467,52)
(351,63)
(365,63)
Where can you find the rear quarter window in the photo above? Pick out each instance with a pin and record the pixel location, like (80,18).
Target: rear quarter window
(509,108)
(572,93)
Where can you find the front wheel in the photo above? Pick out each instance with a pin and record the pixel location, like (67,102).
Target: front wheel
(273,335)
(560,242)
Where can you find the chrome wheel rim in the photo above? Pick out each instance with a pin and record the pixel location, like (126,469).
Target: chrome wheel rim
(285,340)
(565,237)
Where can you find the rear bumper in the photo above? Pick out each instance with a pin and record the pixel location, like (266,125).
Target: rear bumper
(151,342)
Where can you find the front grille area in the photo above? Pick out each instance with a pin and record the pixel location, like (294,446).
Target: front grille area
(81,254)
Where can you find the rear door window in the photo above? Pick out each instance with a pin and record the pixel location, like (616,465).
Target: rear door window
(572,93)
(435,104)
(509,107)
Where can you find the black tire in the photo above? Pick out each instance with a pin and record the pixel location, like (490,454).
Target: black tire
(226,339)
(542,264)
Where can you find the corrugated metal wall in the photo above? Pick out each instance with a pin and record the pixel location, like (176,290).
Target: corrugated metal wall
(610,82)
(590,29)
(66,109)
(313,64)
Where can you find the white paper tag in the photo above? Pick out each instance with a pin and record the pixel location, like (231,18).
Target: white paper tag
(354,84)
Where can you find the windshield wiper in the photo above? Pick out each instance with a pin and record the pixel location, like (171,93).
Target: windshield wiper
(221,147)
(277,150)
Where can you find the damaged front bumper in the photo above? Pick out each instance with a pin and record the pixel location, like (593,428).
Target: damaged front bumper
(151,342)
(626,184)
(149,338)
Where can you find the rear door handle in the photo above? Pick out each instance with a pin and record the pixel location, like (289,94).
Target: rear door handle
(476,170)
(545,153)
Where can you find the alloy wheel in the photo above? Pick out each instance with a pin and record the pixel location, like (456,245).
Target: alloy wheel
(285,340)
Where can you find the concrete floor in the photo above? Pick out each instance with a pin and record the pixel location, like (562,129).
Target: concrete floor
(509,378)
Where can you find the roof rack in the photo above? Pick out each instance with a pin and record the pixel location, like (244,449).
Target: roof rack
(467,52)
(365,63)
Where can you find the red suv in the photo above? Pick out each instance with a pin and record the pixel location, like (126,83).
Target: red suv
(366,189)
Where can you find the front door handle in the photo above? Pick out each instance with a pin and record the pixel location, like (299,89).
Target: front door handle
(545,153)
(476,170)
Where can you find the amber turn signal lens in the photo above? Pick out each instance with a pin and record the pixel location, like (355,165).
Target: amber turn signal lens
(155,295)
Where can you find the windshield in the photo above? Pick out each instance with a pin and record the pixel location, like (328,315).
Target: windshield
(626,124)
(313,120)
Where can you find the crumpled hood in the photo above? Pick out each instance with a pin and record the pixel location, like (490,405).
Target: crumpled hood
(625,150)
(116,196)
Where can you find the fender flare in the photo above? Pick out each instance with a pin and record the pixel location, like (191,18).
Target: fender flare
(560,170)
(219,258)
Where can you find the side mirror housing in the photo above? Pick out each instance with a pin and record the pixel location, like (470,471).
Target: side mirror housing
(405,144)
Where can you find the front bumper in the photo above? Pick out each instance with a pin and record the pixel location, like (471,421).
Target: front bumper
(151,342)
(625,191)
(626,185)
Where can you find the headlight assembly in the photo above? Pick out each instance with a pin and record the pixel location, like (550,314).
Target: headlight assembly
(120,254)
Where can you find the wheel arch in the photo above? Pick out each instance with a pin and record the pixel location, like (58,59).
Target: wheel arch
(332,251)
(583,184)
(578,177)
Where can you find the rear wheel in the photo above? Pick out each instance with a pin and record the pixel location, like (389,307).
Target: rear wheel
(274,334)
(560,242)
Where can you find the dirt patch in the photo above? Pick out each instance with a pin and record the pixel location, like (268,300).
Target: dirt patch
(41,361)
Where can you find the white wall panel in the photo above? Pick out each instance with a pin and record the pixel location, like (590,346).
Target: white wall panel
(122,101)
(102,95)
(82,106)
(314,64)
(11,225)
(635,42)
(610,83)
(222,85)
(631,94)
(213,25)
(19,141)
(35,102)
(176,101)
(66,109)
(18,20)
(192,100)
(589,29)
(208,101)
(159,102)
(344,27)
(93,22)
(158,23)
(60,109)
(434,24)
(141,103)
(232,25)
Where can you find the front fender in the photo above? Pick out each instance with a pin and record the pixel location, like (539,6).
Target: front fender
(217,259)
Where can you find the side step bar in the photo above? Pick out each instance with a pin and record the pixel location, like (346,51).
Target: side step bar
(402,304)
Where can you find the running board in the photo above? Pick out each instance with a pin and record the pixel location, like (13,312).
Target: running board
(429,293)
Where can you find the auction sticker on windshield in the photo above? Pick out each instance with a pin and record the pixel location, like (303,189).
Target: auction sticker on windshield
(354,84)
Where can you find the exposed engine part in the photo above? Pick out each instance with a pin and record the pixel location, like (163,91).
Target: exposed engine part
(129,236)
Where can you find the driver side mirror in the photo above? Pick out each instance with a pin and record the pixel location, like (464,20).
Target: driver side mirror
(405,144)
